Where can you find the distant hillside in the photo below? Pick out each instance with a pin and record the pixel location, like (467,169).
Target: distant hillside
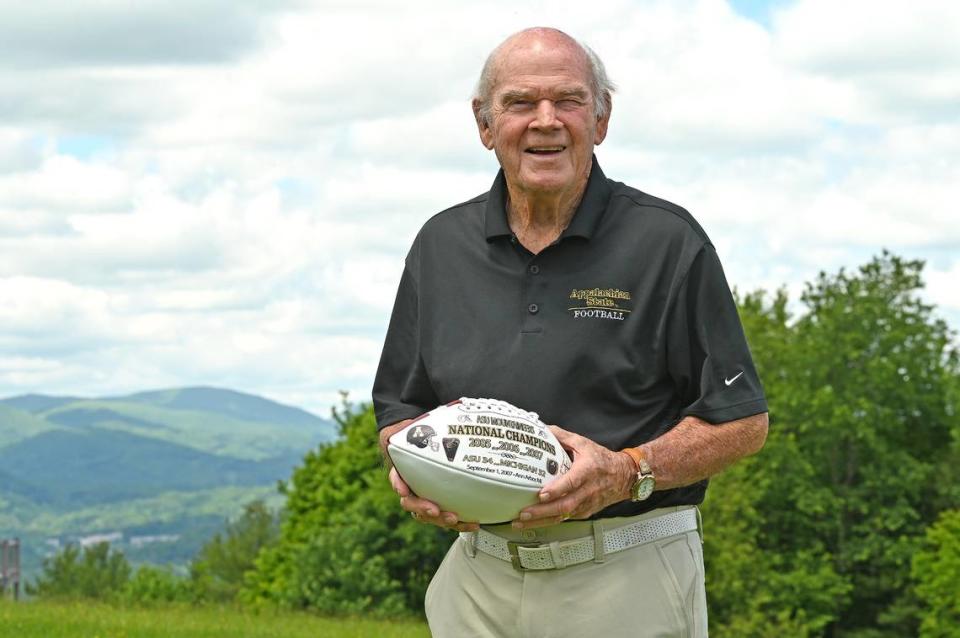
(16,425)
(212,420)
(37,402)
(94,465)
(60,456)
(229,403)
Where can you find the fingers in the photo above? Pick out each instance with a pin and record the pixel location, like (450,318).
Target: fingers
(551,513)
(433,516)
(569,482)
(424,508)
(425,511)
(398,484)
(591,484)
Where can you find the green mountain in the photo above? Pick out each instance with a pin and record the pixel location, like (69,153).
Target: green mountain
(16,425)
(228,403)
(34,403)
(156,472)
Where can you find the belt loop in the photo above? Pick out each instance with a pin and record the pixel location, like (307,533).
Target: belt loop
(470,538)
(558,562)
(699,523)
(599,551)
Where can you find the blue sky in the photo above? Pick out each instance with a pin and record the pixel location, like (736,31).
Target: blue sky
(83,147)
(760,11)
(224,195)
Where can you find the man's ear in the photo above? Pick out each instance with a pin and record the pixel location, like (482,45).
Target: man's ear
(483,127)
(603,122)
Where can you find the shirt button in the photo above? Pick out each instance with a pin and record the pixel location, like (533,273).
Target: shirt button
(534,269)
(513,239)
(528,534)
(533,308)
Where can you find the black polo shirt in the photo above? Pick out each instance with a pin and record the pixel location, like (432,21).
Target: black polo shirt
(618,330)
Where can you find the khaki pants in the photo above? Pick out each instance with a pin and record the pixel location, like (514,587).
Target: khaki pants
(651,590)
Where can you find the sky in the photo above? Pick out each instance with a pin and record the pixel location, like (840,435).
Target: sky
(222,192)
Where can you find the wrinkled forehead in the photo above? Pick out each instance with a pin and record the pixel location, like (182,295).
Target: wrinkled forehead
(526,60)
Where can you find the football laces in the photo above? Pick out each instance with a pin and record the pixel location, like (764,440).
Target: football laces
(500,407)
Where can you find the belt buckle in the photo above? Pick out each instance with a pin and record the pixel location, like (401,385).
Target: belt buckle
(514,549)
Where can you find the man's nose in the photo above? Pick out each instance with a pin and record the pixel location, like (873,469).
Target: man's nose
(546,115)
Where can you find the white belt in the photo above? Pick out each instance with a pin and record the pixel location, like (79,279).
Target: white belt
(559,554)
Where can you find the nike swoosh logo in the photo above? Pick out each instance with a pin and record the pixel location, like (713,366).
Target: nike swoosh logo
(729,381)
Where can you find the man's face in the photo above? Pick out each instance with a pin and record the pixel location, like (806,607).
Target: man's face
(542,125)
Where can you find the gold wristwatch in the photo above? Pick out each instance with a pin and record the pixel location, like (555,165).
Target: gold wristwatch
(645,483)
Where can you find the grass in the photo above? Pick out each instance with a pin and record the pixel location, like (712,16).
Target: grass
(83,619)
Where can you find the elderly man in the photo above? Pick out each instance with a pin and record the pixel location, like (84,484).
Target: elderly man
(605,310)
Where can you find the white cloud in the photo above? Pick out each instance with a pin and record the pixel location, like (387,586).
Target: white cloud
(18,151)
(63,183)
(41,33)
(45,315)
(901,63)
(243,218)
(942,286)
(859,36)
(704,79)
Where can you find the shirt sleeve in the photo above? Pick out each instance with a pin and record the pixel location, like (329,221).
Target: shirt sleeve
(402,389)
(707,353)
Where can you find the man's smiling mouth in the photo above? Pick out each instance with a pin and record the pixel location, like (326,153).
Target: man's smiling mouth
(545,150)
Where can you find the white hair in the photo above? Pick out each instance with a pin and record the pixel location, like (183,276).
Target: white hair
(601,86)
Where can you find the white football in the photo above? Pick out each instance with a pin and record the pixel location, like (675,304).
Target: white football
(481,458)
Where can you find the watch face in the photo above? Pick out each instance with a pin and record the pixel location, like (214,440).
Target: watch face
(645,488)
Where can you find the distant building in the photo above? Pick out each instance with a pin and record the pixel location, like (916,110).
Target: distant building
(96,539)
(140,541)
(10,567)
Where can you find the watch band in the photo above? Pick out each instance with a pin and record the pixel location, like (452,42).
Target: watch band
(638,459)
(645,482)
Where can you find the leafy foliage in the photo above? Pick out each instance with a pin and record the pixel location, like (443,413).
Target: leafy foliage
(150,585)
(217,572)
(93,572)
(936,569)
(815,535)
(345,545)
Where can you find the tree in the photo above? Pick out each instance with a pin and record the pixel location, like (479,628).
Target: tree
(761,583)
(936,569)
(345,545)
(218,570)
(96,572)
(862,399)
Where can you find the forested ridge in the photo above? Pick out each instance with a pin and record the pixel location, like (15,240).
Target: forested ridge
(846,524)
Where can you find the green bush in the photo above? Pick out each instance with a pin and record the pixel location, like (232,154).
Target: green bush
(150,585)
(218,570)
(94,572)
(936,569)
(345,545)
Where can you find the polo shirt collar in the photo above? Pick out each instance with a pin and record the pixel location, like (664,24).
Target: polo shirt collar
(585,219)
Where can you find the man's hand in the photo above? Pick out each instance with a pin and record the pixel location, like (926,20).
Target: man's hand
(423,510)
(426,511)
(385,435)
(691,451)
(598,477)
